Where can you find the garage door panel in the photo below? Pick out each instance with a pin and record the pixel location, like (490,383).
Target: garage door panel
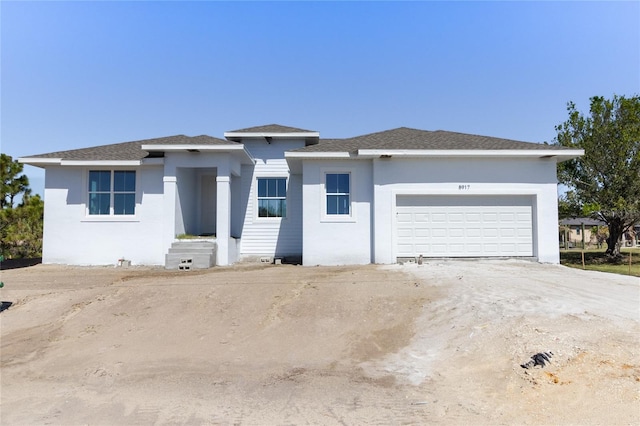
(439,233)
(525,233)
(421,217)
(422,233)
(474,248)
(489,218)
(439,217)
(456,217)
(507,232)
(439,249)
(490,232)
(510,247)
(491,249)
(507,217)
(424,248)
(456,248)
(473,217)
(456,232)
(405,218)
(405,233)
(474,232)
(459,226)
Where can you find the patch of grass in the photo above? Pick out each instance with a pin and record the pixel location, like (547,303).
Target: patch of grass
(186,237)
(595,260)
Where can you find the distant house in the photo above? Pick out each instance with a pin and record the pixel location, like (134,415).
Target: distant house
(632,236)
(275,191)
(572,233)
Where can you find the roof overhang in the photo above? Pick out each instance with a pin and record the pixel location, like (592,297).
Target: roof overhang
(40,162)
(43,162)
(98,163)
(309,137)
(192,147)
(294,158)
(236,149)
(558,155)
(317,155)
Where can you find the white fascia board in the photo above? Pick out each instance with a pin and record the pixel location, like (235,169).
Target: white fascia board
(152,161)
(39,162)
(546,153)
(295,135)
(116,163)
(185,147)
(290,154)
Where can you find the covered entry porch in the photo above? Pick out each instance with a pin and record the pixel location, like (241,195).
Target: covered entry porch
(201,204)
(202,194)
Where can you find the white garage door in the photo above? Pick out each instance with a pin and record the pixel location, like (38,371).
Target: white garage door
(464,226)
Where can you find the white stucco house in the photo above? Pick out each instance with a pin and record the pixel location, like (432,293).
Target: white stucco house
(281,192)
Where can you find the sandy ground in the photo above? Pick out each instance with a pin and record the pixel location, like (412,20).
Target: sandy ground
(438,343)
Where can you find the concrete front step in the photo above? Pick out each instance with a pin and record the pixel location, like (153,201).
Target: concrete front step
(191,250)
(194,243)
(195,261)
(188,255)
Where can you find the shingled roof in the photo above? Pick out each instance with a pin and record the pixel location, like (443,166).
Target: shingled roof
(405,138)
(126,151)
(271,128)
(402,138)
(577,221)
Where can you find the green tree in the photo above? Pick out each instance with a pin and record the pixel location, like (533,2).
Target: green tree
(605,181)
(21,229)
(568,206)
(13,183)
(21,225)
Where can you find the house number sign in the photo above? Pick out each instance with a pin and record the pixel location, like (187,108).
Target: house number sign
(464,187)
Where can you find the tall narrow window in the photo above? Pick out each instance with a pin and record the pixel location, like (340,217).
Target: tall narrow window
(99,192)
(272,197)
(124,192)
(338,191)
(112,193)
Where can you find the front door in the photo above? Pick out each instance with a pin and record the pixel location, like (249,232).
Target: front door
(208,205)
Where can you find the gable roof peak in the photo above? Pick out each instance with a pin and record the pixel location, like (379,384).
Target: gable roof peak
(272,128)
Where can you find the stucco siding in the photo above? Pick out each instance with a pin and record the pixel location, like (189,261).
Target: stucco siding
(331,241)
(444,176)
(73,237)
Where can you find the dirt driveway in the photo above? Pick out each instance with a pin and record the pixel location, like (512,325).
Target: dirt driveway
(438,343)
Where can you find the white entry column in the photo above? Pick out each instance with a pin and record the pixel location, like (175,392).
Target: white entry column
(169,216)
(223,219)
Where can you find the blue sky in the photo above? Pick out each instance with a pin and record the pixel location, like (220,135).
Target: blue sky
(79,74)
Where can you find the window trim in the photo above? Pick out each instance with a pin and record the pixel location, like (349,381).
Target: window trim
(325,217)
(111,217)
(257,198)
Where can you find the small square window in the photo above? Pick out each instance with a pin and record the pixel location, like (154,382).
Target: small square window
(272,197)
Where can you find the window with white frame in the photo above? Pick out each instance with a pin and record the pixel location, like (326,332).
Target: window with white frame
(112,192)
(272,197)
(338,193)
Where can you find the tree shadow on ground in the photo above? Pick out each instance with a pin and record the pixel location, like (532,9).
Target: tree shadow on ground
(19,263)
